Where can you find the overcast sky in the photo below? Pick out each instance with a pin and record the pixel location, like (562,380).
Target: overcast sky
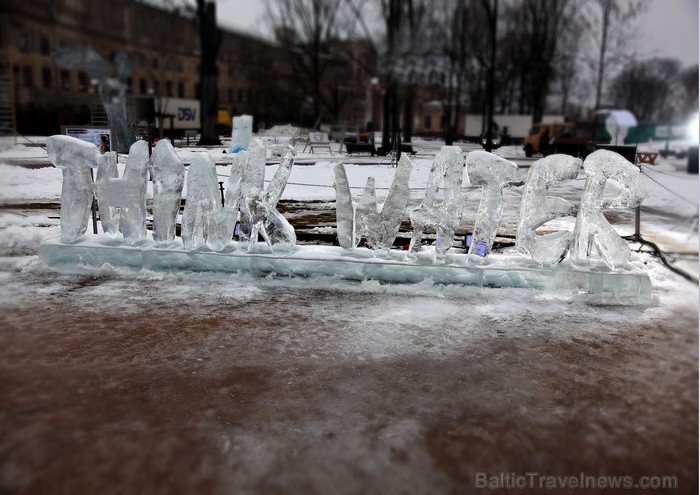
(668,29)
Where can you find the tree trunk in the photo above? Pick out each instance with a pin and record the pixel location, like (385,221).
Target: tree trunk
(209,40)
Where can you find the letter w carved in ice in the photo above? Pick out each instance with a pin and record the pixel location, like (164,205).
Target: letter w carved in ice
(363,218)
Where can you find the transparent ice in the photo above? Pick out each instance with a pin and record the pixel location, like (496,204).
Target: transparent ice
(348,231)
(447,169)
(259,208)
(122,201)
(537,208)
(493,173)
(202,200)
(168,175)
(242,133)
(107,172)
(612,182)
(380,228)
(75,158)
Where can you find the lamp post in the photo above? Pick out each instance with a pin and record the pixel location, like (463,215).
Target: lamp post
(489,120)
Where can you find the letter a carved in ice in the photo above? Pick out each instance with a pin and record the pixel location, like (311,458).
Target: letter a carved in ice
(75,158)
(122,201)
(592,231)
(493,173)
(537,208)
(202,200)
(168,174)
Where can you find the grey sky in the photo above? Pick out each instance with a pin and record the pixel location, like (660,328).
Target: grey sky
(668,29)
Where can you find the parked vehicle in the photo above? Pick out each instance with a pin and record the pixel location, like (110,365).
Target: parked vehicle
(557,137)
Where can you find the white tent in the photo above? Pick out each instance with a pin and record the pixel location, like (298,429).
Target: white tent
(618,123)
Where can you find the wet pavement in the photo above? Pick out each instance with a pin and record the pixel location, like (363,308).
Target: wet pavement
(158,383)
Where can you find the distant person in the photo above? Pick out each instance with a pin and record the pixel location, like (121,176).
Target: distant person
(104,143)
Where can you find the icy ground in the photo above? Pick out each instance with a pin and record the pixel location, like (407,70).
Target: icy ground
(202,383)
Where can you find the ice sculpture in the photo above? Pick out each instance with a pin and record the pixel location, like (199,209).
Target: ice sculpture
(537,208)
(122,201)
(202,200)
(348,231)
(593,233)
(242,133)
(75,158)
(107,170)
(259,213)
(448,168)
(493,173)
(380,228)
(168,175)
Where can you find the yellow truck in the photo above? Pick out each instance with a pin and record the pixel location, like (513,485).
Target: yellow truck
(556,137)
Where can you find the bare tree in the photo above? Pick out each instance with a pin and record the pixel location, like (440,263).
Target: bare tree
(209,43)
(610,25)
(651,89)
(310,28)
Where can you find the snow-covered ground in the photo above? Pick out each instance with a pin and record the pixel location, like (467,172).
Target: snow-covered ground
(182,383)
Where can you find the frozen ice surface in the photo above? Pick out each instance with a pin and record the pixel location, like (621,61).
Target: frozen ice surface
(242,133)
(493,173)
(565,280)
(447,169)
(168,175)
(381,228)
(76,158)
(122,201)
(259,213)
(593,234)
(202,199)
(537,208)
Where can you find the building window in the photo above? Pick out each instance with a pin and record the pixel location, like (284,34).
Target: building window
(180,66)
(156,88)
(24,45)
(240,96)
(27,76)
(65,79)
(44,46)
(130,83)
(168,88)
(46,77)
(181,89)
(155,62)
(427,122)
(230,95)
(83,82)
(142,86)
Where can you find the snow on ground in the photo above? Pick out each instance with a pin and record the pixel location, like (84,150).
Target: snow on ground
(207,383)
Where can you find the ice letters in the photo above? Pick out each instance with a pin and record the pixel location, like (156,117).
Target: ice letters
(206,223)
(122,201)
(537,208)
(354,221)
